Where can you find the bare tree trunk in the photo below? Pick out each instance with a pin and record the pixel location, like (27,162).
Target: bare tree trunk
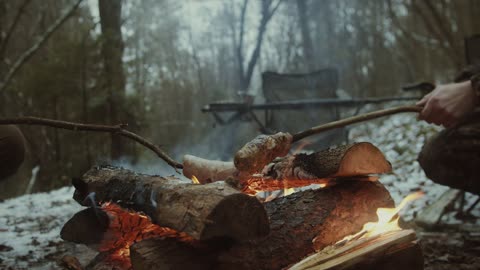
(268,9)
(85,98)
(112,51)
(306,38)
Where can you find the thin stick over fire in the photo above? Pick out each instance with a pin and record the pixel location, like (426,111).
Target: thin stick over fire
(116,129)
(256,154)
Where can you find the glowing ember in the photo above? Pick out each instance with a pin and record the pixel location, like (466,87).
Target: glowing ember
(128,227)
(258,184)
(195,180)
(386,221)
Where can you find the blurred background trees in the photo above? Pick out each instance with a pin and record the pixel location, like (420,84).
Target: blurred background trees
(154,63)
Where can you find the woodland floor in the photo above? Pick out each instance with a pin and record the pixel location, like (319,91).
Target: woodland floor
(30,224)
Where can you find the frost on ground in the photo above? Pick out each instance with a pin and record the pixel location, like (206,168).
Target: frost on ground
(30,225)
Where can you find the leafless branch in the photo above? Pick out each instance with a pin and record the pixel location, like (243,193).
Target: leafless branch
(12,27)
(430,26)
(31,51)
(240,43)
(117,129)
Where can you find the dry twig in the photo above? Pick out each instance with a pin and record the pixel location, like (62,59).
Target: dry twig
(117,129)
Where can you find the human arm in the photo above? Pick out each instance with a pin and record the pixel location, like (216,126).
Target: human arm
(447,104)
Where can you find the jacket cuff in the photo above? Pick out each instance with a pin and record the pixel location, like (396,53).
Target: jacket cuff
(475,80)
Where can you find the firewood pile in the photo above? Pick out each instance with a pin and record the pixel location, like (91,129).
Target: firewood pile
(137,221)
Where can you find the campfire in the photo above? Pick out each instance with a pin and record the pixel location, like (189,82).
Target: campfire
(141,221)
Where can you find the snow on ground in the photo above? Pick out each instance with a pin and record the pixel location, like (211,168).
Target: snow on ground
(30,229)
(30,225)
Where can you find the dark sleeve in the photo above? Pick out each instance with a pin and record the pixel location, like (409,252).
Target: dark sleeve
(468,72)
(471,73)
(12,150)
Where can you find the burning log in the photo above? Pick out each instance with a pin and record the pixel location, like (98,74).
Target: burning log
(353,161)
(358,159)
(307,221)
(300,224)
(202,211)
(168,254)
(346,161)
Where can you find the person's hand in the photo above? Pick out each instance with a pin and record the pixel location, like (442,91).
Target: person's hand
(448,103)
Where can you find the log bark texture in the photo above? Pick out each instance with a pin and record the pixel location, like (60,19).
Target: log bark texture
(300,224)
(202,211)
(307,221)
(358,159)
(168,254)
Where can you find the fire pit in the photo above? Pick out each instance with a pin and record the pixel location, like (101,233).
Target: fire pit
(139,221)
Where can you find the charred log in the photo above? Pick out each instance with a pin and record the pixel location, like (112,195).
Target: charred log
(359,161)
(326,215)
(168,254)
(351,160)
(300,224)
(202,211)
(86,227)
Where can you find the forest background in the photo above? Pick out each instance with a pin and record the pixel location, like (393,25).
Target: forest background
(155,63)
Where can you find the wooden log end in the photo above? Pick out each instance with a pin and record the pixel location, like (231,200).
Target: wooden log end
(363,159)
(240,216)
(86,227)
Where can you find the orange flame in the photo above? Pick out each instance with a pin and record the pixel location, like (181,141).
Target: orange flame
(195,180)
(385,216)
(386,221)
(258,184)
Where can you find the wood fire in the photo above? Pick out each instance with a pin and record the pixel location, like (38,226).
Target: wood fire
(232,228)
(123,229)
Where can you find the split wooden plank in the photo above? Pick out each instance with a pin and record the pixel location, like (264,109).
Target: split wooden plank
(393,250)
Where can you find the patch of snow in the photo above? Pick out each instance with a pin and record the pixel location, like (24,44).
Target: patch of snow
(30,228)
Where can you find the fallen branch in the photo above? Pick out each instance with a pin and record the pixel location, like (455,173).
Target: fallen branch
(117,129)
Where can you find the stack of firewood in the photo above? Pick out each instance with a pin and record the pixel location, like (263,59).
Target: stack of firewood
(217,226)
